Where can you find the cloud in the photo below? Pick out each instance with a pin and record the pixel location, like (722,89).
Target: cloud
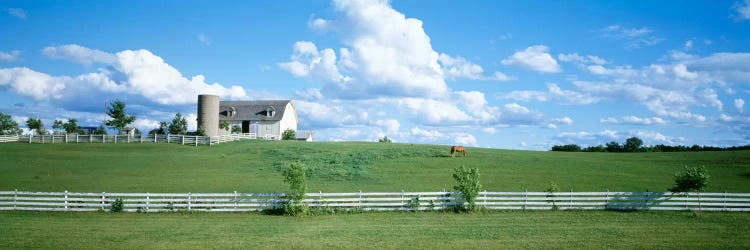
(427,135)
(458,67)
(554,93)
(319,65)
(534,58)
(36,85)
(132,73)
(387,54)
(742,10)
(739,104)
(634,37)
(634,120)
(390,126)
(204,39)
(589,59)
(564,120)
(78,54)
(17,12)
(465,139)
(689,44)
(9,56)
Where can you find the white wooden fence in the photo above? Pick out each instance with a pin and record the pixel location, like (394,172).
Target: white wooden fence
(380,201)
(181,139)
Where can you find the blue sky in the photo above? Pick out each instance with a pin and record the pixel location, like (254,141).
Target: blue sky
(501,74)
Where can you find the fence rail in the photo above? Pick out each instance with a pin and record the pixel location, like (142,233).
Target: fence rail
(180,139)
(378,201)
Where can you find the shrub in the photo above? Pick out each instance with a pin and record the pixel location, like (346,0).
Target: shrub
(117,206)
(693,179)
(468,184)
(236,129)
(295,176)
(385,139)
(551,189)
(288,134)
(567,148)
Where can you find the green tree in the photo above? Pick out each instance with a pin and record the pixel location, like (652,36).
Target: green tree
(295,176)
(613,146)
(178,125)
(288,134)
(71,126)
(101,130)
(693,179)
(633,144)
(58,125)
(120,120)
(8,126)
(467,182)
(224,125)
(236,129)
(385,139)
(36,125)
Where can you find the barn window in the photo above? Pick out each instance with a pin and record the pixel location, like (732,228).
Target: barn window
(270,111)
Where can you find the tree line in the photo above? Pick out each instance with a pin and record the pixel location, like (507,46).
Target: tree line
(635,144)
(119,120)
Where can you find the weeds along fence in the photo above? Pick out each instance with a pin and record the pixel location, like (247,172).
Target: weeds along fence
(374,201)
(180,139)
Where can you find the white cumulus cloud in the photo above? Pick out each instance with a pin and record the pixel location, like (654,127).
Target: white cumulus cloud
(79,54)
(739,104)
(535,58)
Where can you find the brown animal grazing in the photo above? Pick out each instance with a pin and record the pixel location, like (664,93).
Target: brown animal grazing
(458,149)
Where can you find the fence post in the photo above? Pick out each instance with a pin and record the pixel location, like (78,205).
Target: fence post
(235,200)
(725,200)
(104,138)
(687,195)
(359,202)
(525,198)
(15,199)
(699,201)
(115,138)
(485,198)
(183,140)
(606,198)
(66,199)
(103,197)
(147,202)
(141,138)
(29,138)
(188,201)
(53,138)
(570,204)
(167,138)
(76,138)
(196,141)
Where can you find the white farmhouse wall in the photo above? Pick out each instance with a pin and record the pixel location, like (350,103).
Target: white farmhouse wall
(289,120)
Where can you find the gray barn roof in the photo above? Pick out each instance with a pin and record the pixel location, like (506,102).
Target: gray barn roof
(252,110)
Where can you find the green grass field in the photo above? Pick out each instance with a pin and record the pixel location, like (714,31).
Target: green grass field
(561,229)
(254,166)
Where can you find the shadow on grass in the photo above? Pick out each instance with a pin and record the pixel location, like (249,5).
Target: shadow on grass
(746,175)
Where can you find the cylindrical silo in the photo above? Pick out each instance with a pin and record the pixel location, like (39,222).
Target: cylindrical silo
(208,114)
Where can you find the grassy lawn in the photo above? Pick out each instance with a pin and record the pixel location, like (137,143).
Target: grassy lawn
(561,229)
(254,166)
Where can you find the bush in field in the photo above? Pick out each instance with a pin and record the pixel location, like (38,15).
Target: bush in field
(288,134)
(295,176)
(385,139)
(117,206)
(693,179)
(467,182)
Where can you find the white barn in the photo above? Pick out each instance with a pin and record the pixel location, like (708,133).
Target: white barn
(266,118)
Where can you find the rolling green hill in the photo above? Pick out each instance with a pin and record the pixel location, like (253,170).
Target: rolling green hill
(255,166)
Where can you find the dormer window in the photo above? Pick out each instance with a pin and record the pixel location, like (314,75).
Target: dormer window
(232,111)
(270,111)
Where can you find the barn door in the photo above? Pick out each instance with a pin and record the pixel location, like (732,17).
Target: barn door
(245,127)
(254,127)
